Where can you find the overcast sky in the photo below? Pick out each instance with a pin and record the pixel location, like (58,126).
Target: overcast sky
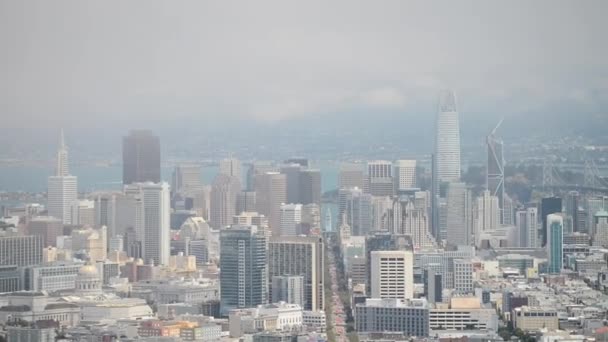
(78,62)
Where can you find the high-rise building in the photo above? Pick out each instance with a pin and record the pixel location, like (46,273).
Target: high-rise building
(62,195)
(527,227)
(433,289)
(251,218)
(245,201)
(463,276)
(21,250)
(47,227)
(508,211)
(271,192)
(292,178)
(447,139)
(224,192)
(186,177)
(288,289)
(458,200)
(488,214)
(600,230)
(62,187)
(356,207)
(259,168)
(231,167)
(244,268)
(291,217)
(593,205)
(392,274)
(310,187)
(299,256)
(405,175)
(311,219)
(83,213)
(140,157)
(555,242)
(382,241)
(408,219)
(153,231)
(380,178)
(495,168)
(571,209)
(351,176)
(548,206)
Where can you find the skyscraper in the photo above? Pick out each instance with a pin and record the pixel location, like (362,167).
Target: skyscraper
(186,177)
(495,168)
(447,139)
(299,256)
(140,157)
(392,274)
(405,175)
(310,187)
(291,217)
(488,215)
(380,178)
(21,250)
(231,167)
(549,205)
(292,178)
(527,227)
(555,242)
(382,241)
(154,229)
(244,268)
(271,192)
(62,190)
(458,200)
(356,207)
(224,192)
(571,209)
(351,176)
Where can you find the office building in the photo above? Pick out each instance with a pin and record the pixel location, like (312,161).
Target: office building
(83,213)
(392,274)
(382,241)
(62,188)
(49,228)
(271,192)
(310,187)
(526,222)
(495,168)
(299,256)
(292,179)
(259,168)
(288,289)
(529,319)
(487,213)
(140,157)
(549,205)
(21,250)
(291,217)
(600,229)
(186,177)
(463,276)
(51,277)
(244,268)
(405,175)
(410,317)
(356,207)
(224,192)
(459,230)
(153,226)
(593,205)
(433,288)
(555,229)
(251,218)
(380,178)
(407,219)
(571,208)
(311,219)
(351,176)
(245,201)
(231,167)
(447,139)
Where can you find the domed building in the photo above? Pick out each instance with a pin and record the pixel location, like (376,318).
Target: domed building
(88,282)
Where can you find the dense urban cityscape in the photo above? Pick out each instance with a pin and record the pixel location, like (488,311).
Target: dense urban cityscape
(319,171)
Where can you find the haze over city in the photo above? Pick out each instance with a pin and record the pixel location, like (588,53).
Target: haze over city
(278,171)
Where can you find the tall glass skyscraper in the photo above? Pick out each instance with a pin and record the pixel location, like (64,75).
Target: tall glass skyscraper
(140,157)
(555,242)
(244,268)
(447,139)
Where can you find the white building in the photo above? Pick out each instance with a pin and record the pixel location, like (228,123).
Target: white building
(269,317)
(405,175)
(526,222)
(459,214)
(488,213)
(392,274)
(83,213)
(380,177)
(447,139)
(463,276)
(186,177)
(289,289)
(231,167)
(291,217)
(154,231)
(62,195)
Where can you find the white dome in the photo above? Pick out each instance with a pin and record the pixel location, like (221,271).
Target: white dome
(88,271)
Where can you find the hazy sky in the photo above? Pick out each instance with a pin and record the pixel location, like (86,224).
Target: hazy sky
(96,61)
